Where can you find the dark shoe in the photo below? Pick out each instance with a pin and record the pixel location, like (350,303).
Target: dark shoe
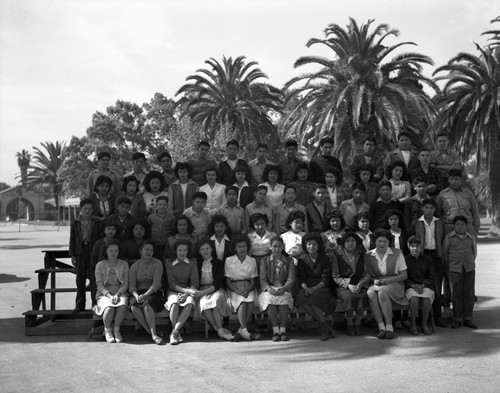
(406,323)
(381,334)
(470,324)
(389,335)
(325,334)
(276,337)
(255,336)
(414,330)
(236,337)
(456,324)
(359,330)
(441,323)
(427,331)
(350,330)
(78,309)
(284,337)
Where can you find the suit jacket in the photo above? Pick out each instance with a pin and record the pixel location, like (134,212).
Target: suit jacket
(418,229)
(227,174)
(315,219)
(175,199)
(396,155)
(360,160)
(75,236)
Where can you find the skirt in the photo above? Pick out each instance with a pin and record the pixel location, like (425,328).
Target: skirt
(236,299)
(322,299)
(265,299)
(173,298)
(427,294)
(352,300)
(213,300)
(155,300)
(104,302)
(395,291)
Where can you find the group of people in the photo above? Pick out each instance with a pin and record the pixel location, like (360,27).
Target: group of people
(207,239)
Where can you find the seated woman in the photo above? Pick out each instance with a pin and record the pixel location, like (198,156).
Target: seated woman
(240,271)
(112,285)
(314,277)
(419,284)
(387,269)
(212,301)
(348,272)
(183,283)
(277,276)
(145,288)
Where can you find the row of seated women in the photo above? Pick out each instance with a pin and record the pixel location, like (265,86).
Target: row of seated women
(278,283)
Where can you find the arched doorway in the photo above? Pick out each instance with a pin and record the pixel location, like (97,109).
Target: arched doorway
(20,208)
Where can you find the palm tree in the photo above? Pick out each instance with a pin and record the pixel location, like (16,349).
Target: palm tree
(470,111)
(23,161)
(359,90)
(45,167)
(232,94)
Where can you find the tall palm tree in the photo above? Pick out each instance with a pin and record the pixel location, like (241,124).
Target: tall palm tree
(470,111)
(232,93)
(23,161)
(45,167)
(360,89)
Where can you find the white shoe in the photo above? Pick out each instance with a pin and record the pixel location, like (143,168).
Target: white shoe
(117,334)
(109,336)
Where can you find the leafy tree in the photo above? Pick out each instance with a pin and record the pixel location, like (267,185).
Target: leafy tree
(23,161)
(231,93)
(470,111)
(359,90)
(44,169)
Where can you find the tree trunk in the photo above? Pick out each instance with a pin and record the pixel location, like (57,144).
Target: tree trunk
(495,181)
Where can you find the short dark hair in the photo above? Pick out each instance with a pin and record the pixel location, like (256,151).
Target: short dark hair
(189,223)
(110,223)
(370,139)
(379,232)
(404,133)
(335,214)
(291,186)
(360,186)
(418,179)
(113,242)
(241,168)
(429,201)
(258,216)
(122,201)
(162,155)
(213,168)
(86,201)
(385,183)
(261,145)
(424,149)
(269,168)
(239,239)
(301,165)
(360,216)
(335,172)
(233,142)
(291,143)
(295,215)
(460,218)
(260,187)
(455,173)
(128,179)
(162,198)
(102,179)
(441,134)
(313,237)
(182,242)
(103,154)
(396,164)
(204,143)
(183,165)
(346,235)
(154,175)
(326,139)
(219,219)
(414,240)
(200,195)
(231,188)
(146,243)
(138,155)
(361,168)
(319,185)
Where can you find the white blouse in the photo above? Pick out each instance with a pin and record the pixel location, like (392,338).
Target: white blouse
(215,196)
(274,197)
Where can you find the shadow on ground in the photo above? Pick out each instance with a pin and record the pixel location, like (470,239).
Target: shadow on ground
(25,247)
(7,278)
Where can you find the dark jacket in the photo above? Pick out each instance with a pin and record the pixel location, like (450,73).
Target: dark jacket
(217,272)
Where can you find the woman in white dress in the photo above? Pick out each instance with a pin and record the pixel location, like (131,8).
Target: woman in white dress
(216,196)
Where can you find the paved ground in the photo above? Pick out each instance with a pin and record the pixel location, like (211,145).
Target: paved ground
(448,361)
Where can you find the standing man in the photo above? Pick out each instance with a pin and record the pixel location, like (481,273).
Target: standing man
(103,163)
(325,159)
(165,161)
(289,164)
(443,158)
(258,164)
(228,165)
(368,157)
(201,163)
(428,173)
(403,153)
(139,171)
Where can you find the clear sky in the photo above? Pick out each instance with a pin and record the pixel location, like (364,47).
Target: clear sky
(62,60)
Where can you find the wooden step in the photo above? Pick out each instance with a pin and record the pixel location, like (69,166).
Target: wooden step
(55,290)
(83,314)
(68,270)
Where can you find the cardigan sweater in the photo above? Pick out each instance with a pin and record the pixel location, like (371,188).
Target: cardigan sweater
(420,271)
(177,203)
(102,273)
(268,273)
(312,273)
(217,272)
(418,228)
(342,269)
(316,220)
(227,175)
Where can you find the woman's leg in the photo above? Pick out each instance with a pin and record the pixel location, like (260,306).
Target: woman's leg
(209,316)
(272,311)
(183,316)
(149,315)
(284,311)
(139,315)
(242,315)
(426,309)
(386,307)
(174,314)
(119,315)
(376,308)
(107,317)
(414,303)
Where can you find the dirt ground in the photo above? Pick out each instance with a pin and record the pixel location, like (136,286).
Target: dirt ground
(448,361)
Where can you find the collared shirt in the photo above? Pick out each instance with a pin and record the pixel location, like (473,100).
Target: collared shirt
(274,197)
(449,157)
(245,184)
(293,243)
(186,261)
(288,169)
(220,247)
(257,168)
(349,211)
(461,202)
(200,221)
(261,245)
(430,241)
(382,262)
(432,176)
(332,192)
(460,252)
(252,208)
(235,216)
